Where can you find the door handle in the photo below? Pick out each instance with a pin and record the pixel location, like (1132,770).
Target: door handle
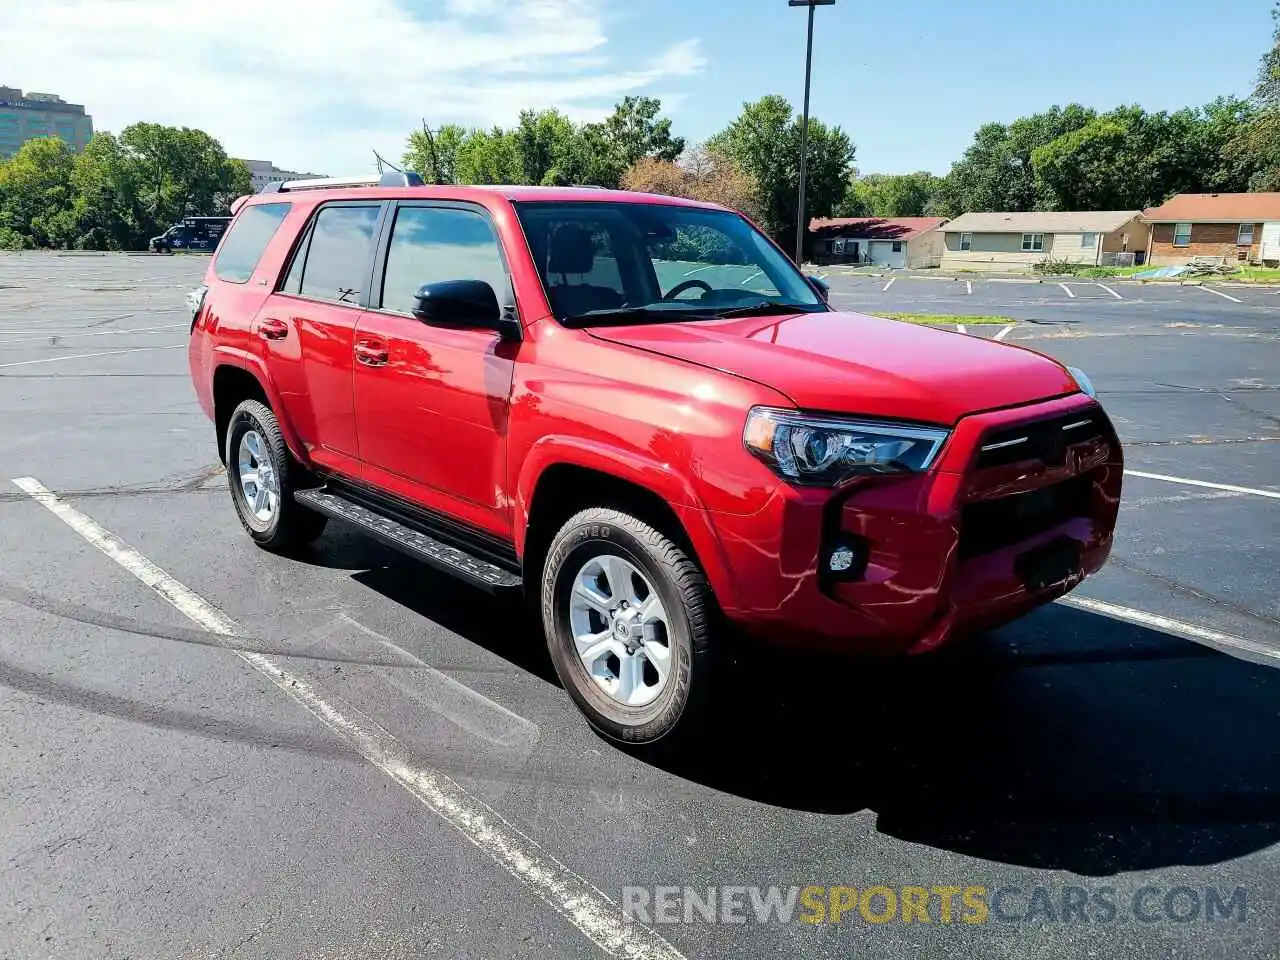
(371,353)
(273,329)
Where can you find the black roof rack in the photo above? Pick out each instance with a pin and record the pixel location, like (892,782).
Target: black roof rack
(391,179)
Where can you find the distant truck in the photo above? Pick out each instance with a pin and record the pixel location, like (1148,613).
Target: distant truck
(193,233)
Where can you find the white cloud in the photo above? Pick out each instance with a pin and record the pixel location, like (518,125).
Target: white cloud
(316,86)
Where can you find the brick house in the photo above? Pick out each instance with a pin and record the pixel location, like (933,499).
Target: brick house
(1238,227)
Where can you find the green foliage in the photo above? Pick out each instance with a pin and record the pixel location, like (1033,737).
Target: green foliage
(119,192)
(1256,146)
(36,195)
(764,142)
(890,195)
(546,147)
(636,130)
(434,154)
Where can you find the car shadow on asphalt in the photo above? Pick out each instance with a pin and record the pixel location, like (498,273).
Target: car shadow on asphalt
(1066,741)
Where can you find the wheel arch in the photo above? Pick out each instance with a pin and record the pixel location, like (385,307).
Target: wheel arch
(560,479)
(232,385)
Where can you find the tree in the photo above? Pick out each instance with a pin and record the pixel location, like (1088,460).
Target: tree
(489,156)
(1256,145)
(996,170)
(178,172)
(433,154)
(35,196)
(702,174)
(635,130)
(889,195)
(1128,159)
(545,142)
(764,142)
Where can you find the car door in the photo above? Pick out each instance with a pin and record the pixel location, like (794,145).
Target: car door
(431,401)
(308,329)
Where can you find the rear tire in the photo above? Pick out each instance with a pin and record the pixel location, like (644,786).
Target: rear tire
(629,620)
(262,477)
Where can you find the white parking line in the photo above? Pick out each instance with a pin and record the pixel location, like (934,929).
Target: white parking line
(1068,290)
(1203,483)
(961,328)
(1220,293)
(93,333)
(574,898)
(85,356)
(710,266)
(1212,638)
(1004,332)
(968,287)
(1109,290)
(891,282)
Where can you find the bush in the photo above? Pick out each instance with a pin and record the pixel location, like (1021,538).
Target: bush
(1061,267)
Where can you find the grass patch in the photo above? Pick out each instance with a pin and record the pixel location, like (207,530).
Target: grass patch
(1256,275)
(944,318)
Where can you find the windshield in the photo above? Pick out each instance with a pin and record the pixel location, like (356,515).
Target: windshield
(646,262)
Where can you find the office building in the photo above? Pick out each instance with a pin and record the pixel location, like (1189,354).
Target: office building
(262,172)
(29,116)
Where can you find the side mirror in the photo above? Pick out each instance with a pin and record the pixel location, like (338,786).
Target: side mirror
(820,285)
(460,303)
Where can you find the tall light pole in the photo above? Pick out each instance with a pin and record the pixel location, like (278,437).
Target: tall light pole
(801,221)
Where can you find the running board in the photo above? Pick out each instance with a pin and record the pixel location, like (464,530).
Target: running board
(406,539)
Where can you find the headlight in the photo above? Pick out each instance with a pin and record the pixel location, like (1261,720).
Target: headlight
(823,451)
(1083,381)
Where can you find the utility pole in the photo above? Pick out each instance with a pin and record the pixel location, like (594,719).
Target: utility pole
(802,224)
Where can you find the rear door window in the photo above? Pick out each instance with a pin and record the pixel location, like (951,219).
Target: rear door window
(338,254)
(245,242)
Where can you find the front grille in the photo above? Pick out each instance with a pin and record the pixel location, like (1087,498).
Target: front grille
(1043,440)
(993,524)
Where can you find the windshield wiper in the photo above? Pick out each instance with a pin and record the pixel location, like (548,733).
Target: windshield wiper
(765,308)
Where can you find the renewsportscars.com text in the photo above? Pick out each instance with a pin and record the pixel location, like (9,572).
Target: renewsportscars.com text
(972,904)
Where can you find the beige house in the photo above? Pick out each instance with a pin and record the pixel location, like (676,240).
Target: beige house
(1016,242)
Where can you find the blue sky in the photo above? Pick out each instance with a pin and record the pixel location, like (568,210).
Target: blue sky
(911,81)
(317,87)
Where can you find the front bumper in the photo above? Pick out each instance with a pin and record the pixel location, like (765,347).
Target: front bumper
(945,552)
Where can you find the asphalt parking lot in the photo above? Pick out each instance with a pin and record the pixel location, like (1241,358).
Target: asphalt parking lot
(166,794)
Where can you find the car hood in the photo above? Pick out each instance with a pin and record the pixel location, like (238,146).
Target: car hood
(855,364)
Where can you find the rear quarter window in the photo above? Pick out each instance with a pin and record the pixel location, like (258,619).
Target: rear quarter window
(242,247)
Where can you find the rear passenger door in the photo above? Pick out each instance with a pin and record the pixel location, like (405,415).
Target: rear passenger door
(431,401)
(307,329)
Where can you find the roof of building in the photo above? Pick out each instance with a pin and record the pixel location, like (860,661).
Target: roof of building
(1226,207)
(1058,221)
(875,228)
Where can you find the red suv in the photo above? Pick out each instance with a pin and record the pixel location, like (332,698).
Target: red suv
(637,410)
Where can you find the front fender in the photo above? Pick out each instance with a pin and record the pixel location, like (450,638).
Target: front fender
(643,471)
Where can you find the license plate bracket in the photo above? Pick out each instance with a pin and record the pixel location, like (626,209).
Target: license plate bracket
(1051,565)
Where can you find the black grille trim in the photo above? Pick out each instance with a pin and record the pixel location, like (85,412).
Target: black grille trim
(1044,440)
(990,525)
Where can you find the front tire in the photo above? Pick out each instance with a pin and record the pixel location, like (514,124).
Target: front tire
(629,620)
(262,477)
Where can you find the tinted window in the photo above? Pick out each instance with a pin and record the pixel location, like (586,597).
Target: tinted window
(248,238)
(439,243)
(338,258)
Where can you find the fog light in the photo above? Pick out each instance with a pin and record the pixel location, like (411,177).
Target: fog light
(841,559)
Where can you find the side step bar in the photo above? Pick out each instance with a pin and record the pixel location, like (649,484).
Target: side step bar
(406,539)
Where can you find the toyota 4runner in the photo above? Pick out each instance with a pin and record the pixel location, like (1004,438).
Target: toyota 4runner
(639,412)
